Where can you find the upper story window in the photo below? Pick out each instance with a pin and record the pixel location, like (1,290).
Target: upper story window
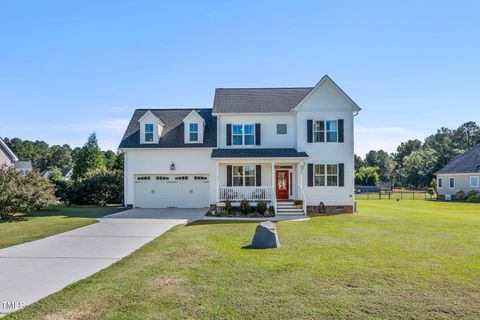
(243,134)
(325,130)
(282,128)
(149,132)
(440,183)
(193,132)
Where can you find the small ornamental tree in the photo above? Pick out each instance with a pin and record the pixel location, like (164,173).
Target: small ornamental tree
(23,193)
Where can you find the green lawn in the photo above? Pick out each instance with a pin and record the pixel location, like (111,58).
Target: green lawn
(44,223)
(407,259)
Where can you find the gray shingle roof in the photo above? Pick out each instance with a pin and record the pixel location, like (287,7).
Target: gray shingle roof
(257,100)
(258,153)
(172,135)
(468,162)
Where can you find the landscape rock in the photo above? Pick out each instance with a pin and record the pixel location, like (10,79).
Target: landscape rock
(266,236)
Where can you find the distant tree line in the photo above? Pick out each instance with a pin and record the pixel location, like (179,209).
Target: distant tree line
(97,175)
(415,162)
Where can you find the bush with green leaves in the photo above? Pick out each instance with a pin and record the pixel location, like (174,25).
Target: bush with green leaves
(22,194)
(472,193)
(245,206)
(99,187)
(261,207)
(460,195)
(473,199)
(228,206)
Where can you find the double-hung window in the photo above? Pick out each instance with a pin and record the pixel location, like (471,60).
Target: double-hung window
(474,182)
(325,130)
(193,127)
(440,183)
(319,175)
(243,176)
(149,132)
(243,134)
(451,183)
(325,175)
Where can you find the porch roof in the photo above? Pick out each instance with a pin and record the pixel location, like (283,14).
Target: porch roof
(258,153)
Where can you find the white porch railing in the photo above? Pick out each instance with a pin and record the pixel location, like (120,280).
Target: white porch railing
(247,193)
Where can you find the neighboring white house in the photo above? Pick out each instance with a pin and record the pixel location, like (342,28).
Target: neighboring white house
(7,157)
(66,173)
(462,173)
(273,144)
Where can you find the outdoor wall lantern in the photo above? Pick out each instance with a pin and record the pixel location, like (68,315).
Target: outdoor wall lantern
(172,166)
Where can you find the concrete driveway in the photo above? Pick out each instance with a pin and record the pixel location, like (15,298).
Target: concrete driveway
(33,270)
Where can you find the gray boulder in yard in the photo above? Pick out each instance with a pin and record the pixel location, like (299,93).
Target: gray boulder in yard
(265,236)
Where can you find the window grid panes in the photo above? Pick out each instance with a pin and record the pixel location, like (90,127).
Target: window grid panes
(244,176)
(325,175)
(281,128)
(319,175)
(318,131)
(193,132)
(149,132)
(332,175)
(243,134)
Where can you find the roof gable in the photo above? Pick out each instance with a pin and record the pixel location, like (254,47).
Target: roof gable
(7,151)
(334,88)
(149,114)
(195,116)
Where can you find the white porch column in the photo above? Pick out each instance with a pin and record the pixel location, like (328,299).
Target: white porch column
(217,181)
(273,175)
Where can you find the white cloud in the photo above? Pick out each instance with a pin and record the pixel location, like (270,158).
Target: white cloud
(385,138)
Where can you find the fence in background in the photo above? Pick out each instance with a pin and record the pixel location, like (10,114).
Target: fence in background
(394,195)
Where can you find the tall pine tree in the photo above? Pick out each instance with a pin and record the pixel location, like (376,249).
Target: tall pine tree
(89,158)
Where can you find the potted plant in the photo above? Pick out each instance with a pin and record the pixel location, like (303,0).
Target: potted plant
(298,204)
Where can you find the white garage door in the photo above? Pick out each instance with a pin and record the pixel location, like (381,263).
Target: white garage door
(163,191)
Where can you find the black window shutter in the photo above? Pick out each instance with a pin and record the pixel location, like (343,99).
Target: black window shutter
(229,134)
(309,131)
(310,175)
(340,130)
(341,174)
(229,176)
(257,134)
(258,175)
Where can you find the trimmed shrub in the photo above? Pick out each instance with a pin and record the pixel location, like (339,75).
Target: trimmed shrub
(472,193)
(245,206)
(474,199)
(228,206)
(460,195)
(261,207)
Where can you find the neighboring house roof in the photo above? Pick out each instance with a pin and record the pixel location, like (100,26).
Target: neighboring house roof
(173,131)
(25,165)
(258,153)
(468,162)
(257,100)
(7,151)
(65,171)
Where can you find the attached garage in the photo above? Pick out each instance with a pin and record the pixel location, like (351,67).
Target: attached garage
(179,190)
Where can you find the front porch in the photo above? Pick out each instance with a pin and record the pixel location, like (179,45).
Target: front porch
(278,183)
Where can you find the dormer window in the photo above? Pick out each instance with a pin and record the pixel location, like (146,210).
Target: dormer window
(193,134)
(149,132)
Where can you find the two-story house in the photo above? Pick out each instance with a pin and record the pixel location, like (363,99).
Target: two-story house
(273,144)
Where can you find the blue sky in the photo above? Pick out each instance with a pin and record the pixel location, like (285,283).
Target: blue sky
(68,68)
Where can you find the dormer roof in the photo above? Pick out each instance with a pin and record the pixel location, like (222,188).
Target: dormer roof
(194,114)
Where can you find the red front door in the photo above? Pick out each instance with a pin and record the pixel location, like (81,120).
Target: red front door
(282,184)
